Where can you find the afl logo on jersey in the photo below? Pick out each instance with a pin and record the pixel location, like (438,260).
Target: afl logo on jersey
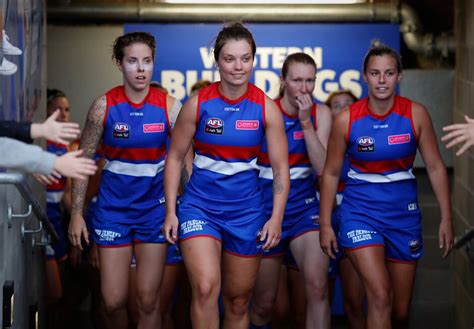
(214,126)
(121,130)
(365,144)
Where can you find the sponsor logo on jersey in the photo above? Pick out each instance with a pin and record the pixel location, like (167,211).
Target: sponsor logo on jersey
(153,127)
(298,134)
(136,114)
(398,139)
(231,109)
(121,130)
(309,200)
(106,235)
(414,246)
(247,124)
(412,206)
(381,126)
(365,144)
(162,200)
(214,126)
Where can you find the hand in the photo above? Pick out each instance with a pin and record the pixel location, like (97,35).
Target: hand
(272,233)
(328,241)
(59,132)
(72,165)
(45,179)
(75,256)
(94,256)
(77,231)
(446,236)
(170,228)
(460,133)
(305,104)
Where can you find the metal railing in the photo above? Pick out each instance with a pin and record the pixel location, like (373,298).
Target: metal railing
(19,180)
(465,239)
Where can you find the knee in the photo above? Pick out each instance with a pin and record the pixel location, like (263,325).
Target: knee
(113,305)
(263,304)
(381,298)
(317,289)
(206,290)
(238,305)
(147,302)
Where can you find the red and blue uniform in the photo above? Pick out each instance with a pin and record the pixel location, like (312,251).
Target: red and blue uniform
(222,199)
(130,204)
(302,208)
(54,210)
(380,206)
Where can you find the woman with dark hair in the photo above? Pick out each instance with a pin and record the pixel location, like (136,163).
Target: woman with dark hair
(132,123)
(380,220)
(222,224)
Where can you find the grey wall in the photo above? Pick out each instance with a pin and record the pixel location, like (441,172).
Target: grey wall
(79,63)
(463,189)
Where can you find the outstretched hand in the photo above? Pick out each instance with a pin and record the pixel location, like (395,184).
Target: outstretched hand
(56,131)
(460,133)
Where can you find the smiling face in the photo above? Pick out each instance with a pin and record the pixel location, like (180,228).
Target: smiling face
(137,66)
(235,62)
(382,76)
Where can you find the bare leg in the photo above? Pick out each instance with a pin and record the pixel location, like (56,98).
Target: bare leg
(313,264)
(202,256)
(370,264)
(402,277)
(265,291)
(150,262)
(354,295)
(238,279)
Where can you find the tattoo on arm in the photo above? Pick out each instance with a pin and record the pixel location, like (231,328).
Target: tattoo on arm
(277,185)
(184,177)
(90,139)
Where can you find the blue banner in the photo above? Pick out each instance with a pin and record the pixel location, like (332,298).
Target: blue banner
(184,53)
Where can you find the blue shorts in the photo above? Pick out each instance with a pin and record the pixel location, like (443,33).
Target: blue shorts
(238,230)
(173,255)
(400,235)
(110,234)
(293,226)
(60,249)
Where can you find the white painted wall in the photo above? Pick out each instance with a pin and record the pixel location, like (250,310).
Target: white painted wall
(79,63)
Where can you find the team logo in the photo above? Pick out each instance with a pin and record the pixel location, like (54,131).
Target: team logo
(298,134)
(365,144)
(247,124)
(398,139)
(315,219)
(153,127)
(414,246)
(214,126)
(121,130)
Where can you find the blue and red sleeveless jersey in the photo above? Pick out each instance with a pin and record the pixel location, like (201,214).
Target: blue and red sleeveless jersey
(55,192)
(381,151)
(226,144)
(134,147)
(302,175)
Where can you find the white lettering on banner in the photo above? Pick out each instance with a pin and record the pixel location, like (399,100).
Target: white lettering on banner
(268,63)
(360,235)
(192,225)
(207,57)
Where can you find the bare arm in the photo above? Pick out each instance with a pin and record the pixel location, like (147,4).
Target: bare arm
(335,159)
(436,172)
(278,154)
(90,140)
(181,139)
(316,139)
